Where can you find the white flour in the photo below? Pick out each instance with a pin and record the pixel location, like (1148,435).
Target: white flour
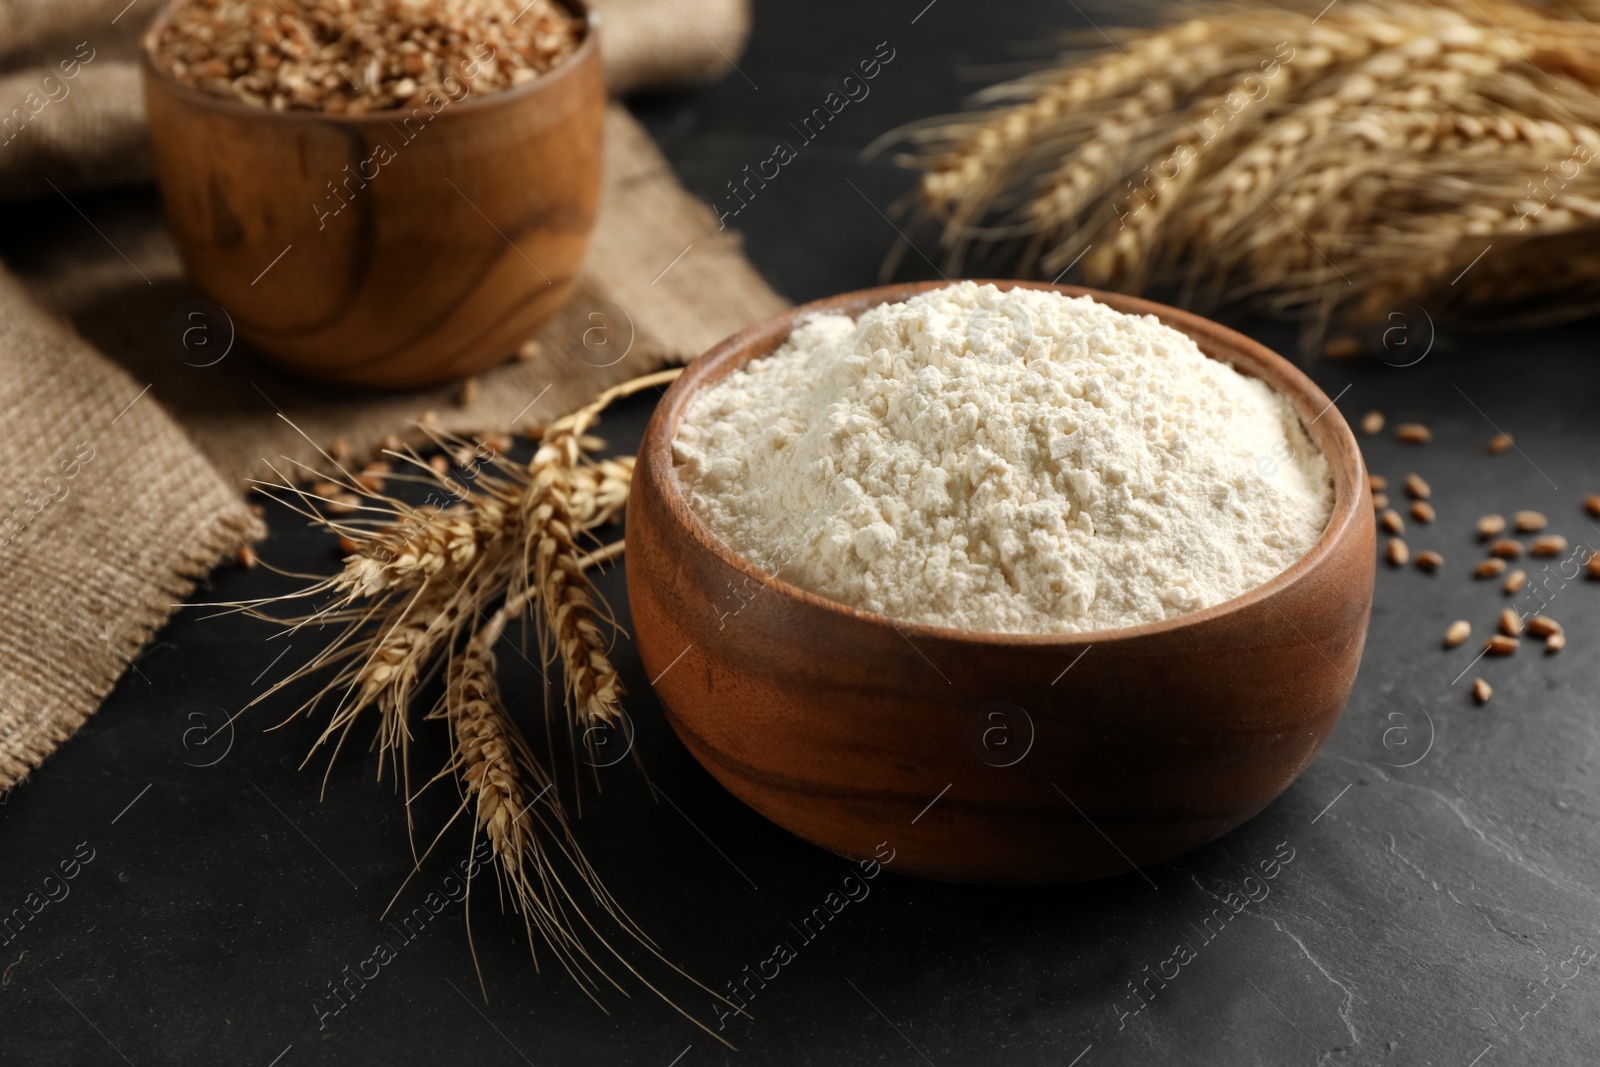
(1016,461)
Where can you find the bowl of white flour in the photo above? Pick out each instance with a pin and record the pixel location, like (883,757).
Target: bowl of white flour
(1001,574)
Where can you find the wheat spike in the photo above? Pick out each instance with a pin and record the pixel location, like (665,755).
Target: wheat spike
(413,599)
(1315,160)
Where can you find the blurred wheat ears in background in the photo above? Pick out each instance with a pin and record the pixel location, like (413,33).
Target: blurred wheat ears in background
(428,592)
(1323,166)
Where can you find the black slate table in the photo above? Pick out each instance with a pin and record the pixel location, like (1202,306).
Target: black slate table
(1436,889)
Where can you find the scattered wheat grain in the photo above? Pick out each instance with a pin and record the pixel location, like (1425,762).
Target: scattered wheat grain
(1397,553)
(1489,568)
(1413,433)
(1548,545)
(1501,645)
(1542,626)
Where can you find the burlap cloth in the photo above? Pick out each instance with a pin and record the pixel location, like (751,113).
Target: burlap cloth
(122,464)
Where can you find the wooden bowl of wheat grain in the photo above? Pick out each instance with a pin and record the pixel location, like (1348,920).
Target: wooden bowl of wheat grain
(984,757)
(392,248)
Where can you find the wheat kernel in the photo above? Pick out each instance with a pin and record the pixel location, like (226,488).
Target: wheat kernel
(1529,521)
(1458,632)
(1423,511)
(1510,622)
(1416,488)
(1500,442)
(1397,553)
(1413,433)
(1372,422)
(1515,581)
(1548,545)
(1542,626)
(1489,568)
(1491,526)
(1380,501)
(1506,549)
(1429,561)
(1341,348)
(1481,691)
(1501,645)
(1391,521)
(1555,642)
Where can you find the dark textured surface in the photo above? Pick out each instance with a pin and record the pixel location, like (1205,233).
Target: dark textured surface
(1439,913)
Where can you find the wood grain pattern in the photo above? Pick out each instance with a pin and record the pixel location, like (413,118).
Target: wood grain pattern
(1127,747)
(415,246)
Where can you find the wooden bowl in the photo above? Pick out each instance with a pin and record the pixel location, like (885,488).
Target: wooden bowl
(999,758)
(393,248)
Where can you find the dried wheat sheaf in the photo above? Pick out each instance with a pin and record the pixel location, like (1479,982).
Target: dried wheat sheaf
(1331,161)
(428,591)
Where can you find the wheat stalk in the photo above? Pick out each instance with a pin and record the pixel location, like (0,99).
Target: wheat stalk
(1315,160)
(414,598)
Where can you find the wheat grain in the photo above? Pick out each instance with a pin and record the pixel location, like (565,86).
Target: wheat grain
(342,57)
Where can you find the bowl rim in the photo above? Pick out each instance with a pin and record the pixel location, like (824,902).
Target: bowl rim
(1336,440)
(586,49)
